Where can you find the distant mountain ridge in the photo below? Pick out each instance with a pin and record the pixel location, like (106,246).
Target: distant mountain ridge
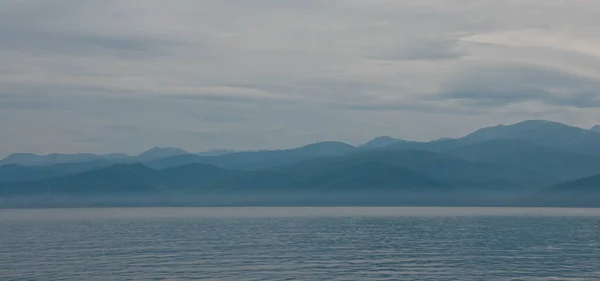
(380,142)
(17,173)
(584,192)
(161,158)
(159,152)
(527,155)
(200,184)
(255,160)
(216,152)
(436,166)
(546,133)
(533,160)
(30,159)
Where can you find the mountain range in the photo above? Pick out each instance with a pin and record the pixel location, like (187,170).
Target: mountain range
(533,163)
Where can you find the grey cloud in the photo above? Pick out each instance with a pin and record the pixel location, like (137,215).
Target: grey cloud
(11,101)
(386,106)
(132,74)
(86,44)
(218,118)
(411,106)
(122,128)
(324,90)
(432,50)
(24,105)
(46,90)
(73,43)
(43,27)
(502,85)
(228,94)
(212,97)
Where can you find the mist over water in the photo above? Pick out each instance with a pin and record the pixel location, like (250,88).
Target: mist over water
(300,243)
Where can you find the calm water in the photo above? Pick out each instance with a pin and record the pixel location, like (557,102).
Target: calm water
(300,244)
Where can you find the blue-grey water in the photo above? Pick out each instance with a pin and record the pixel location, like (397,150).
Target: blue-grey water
(300,244)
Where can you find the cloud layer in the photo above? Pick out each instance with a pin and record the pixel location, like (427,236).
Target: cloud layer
(124,75)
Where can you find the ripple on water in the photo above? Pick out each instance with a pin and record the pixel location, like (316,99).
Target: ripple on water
(362,244)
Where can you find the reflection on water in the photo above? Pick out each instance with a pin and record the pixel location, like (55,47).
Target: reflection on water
(300,244)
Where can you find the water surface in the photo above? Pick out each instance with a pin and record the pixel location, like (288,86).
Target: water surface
(300,244)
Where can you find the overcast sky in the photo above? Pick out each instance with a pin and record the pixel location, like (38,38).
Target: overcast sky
(125,75)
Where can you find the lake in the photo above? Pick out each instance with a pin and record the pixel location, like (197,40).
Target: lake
(321,243)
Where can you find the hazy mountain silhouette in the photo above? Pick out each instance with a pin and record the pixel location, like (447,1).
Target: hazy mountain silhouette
(584,192)
(437,166)
(370,177)
(121,184)
(380,142)
(72,164)
(30,159)
(529,156)
(256,160)
(195,175)
(13,172)
(215,152)
(159,152)
(489,165)
(137,184)
(200,184)
(119,178)
(545,133)
(16,173)
(433,146)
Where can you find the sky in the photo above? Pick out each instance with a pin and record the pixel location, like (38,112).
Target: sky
(125,75)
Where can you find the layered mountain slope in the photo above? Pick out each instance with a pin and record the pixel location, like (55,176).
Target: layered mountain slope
(256,160)
(583,192)
(441,167)
(530,156)
(546,133)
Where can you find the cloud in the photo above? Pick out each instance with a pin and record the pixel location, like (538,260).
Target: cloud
(494,86)
(43,28)
(122,127)
(224,93)
(218,118)
(342,69)
(19,102)
(433,50)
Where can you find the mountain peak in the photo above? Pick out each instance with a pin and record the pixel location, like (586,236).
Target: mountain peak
(162,149)
(546,133)
(517,130)
(538,123)
(215,152)
(160,152)
(21,155)
(380,142)
(333,146)
(30,159)
(384,138)
(596,128)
